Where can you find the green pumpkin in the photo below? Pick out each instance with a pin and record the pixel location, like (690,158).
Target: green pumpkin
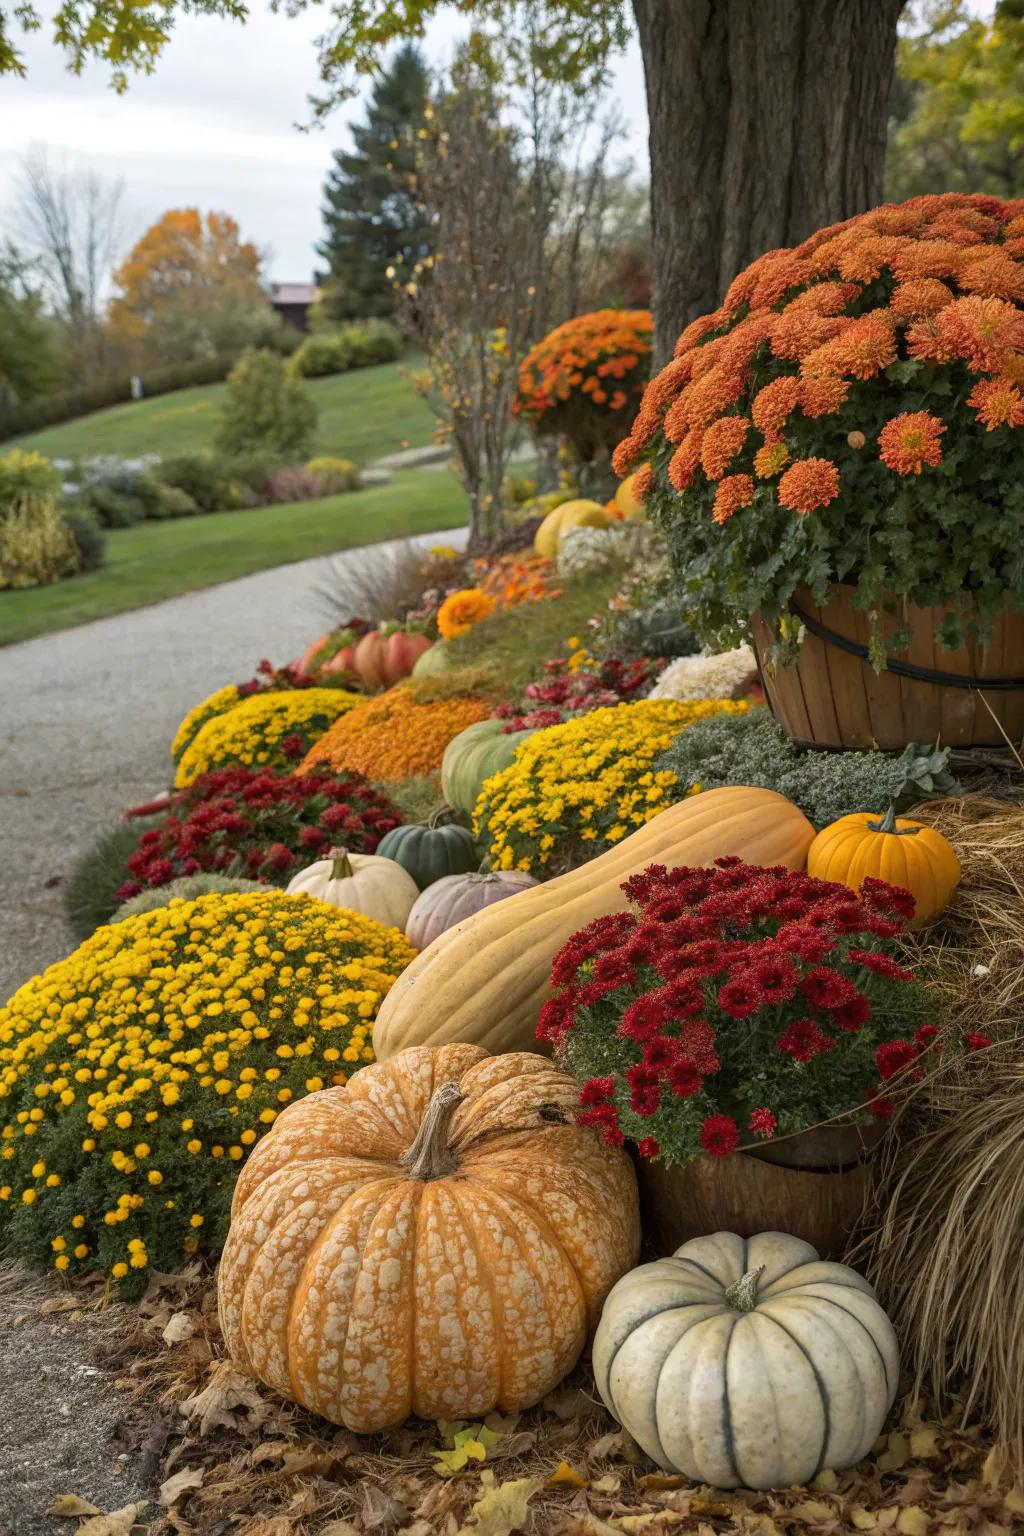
(432,849)
(474,755)
(433,662)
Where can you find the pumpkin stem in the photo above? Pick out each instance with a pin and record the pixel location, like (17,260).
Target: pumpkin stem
(430,1156)
(888,824)
(341,869)
(441,816)
(742,1294)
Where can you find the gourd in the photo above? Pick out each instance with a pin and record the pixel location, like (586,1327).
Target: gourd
(627,501)
(571,514)
(434,661)
(486,978)
(361,882)
(431,849)
(436,1238)
(304,664)
(448,901)
(747,1362)
(472,756)
(905,853)
(380,661)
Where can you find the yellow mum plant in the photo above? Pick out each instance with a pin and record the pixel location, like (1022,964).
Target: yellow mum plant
(214,704)
(136,1075)
(265,730)
(576,788)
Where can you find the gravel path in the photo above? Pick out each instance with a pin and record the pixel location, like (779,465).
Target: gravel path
(88,717)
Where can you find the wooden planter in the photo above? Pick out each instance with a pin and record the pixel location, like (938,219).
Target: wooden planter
(814,1186)
(830,698)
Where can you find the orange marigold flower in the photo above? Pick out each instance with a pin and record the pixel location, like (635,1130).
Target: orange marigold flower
(808,484)
(769,460)
(823,396)
(998,403)
(910,441)
(684,463)
(721,443)
(461,610)
(733,492)
(919,296)
(775,403)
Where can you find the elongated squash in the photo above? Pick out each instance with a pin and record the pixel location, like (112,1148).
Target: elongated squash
(484,980)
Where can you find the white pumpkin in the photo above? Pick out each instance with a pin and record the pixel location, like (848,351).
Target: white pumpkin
(747,1362)
(361,882)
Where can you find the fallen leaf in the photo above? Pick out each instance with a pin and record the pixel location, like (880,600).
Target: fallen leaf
(180,1326)
(227,1391)
(924,1442)
(181,1482)
(606,1445)
(895,1454)
(813,1512)
(470,1443)
(380,1511)
(502,1507)
(70,1506)
(339,1528)
(992,1471)
(657,1481)
(863,1519)
(608,1484)
(825,1482)
(567,1402)
(118,1523)
(565,1476)
(1014,1501)
(913,1521)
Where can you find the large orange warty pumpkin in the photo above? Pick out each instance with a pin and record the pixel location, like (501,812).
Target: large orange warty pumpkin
(436,1237)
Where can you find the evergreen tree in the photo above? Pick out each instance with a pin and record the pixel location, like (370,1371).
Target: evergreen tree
(370,211)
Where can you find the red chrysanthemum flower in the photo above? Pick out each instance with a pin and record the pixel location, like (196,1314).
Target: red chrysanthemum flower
(803,1040)
(976,1041)
(597,1091)
(910,441)
(809,484)
(648,1147)
(684,1080)
(894,1056)
(719,1136)
(882,965)
(762,1123)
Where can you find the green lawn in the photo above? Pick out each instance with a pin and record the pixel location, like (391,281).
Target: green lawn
(157,560)
(363,415)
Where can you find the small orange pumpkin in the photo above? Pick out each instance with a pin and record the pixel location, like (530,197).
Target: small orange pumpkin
(437,1237)
(904,853)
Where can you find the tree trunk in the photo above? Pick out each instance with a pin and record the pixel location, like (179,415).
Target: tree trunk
(767,121)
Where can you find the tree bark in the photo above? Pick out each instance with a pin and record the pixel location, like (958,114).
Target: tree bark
(767,121)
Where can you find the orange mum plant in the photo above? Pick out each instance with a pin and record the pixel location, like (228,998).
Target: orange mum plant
(851,413)
(396,736)
(585,379)
(461,610)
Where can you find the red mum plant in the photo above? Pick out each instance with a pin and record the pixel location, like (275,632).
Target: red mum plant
(256,824)
(852,412)
(569,690)
(736,1004)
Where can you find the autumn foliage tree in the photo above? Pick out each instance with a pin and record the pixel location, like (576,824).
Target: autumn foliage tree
(189,288)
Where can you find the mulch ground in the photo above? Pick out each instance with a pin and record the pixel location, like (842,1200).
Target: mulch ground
(128,1419)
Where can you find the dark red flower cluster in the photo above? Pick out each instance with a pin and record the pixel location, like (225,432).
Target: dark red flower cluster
(576,692)
(258,825)
(725,982)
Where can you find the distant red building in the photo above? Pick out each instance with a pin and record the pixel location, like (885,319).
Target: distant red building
(291,301)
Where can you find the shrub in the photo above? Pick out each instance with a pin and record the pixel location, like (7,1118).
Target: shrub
(266,730)
(751,749)
(26,474)
(171,501)
(90,540)
(322,353)
(128,1110)
(256,824)
(267,409)
(203,478)
(850,413)
(292,483)
(113,508)
(372,341)
(185,888)
(394,736)
(734,1004)
(37,547)
(577,788)
(584,380)
(334,475)
(91,895)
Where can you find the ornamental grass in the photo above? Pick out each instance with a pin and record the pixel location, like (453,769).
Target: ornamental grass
(394,736)
(136,1075)
(585,378)
(577,788)
(851,413)
(266,730)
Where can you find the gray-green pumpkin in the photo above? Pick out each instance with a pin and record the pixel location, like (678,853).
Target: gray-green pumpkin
(431,849)
(474,755)
(435,661)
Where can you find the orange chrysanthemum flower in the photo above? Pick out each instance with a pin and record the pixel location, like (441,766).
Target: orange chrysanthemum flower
(809,484)
(721,443)
(584,376)
(774,404)
(910,441)
(919,296)
(823,396)
(865,347)
(998,403)
(643,482)
(769,460)
(685,462)
(733,492)
(461,610)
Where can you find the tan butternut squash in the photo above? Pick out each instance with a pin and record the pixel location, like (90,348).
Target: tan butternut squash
(484,980)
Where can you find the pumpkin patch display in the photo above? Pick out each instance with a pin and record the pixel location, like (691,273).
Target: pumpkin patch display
(455,897)
(905,853)
(435,1238)
(570,514)
(472,756)
(486,979)
(747,1362)
(360,882)
(431,849)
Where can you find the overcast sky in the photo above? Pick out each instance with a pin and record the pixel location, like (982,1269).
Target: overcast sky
(214,126)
